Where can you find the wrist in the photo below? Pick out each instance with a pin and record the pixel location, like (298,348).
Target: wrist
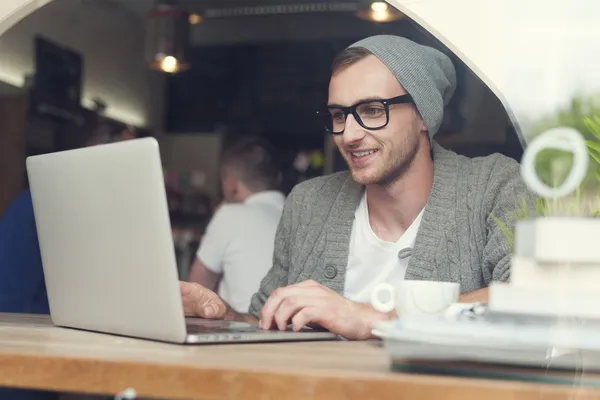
(373,318)
(231,314)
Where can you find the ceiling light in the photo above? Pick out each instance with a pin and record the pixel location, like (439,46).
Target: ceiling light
(168,39)
(195,19)
(169,64)
(379,6)
(379,11)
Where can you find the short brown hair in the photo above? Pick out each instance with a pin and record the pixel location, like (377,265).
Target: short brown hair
(107,132)
(347,57)
(253,161)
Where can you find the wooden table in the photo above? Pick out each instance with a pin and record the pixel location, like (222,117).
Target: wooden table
(35,354)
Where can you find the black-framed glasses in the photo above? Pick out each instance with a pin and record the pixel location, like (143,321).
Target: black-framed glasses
(370,114)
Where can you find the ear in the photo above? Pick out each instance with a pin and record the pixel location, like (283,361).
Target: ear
(423,126)
(418,121)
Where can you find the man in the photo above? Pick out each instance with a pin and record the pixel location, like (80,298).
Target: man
(237,248)
(22,286)
(408,209)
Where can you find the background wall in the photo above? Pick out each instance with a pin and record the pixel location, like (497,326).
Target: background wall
(111,39)
(199,151)
(13,110)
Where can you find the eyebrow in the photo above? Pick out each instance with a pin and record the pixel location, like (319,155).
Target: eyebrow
(365,100)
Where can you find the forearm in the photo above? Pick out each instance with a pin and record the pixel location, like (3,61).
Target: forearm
(199,273)
(478,296)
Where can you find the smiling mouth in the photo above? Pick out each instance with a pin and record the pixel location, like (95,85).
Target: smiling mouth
(361,154)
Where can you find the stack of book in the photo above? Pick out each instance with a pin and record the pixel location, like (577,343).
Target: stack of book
(546,318)
(555,270)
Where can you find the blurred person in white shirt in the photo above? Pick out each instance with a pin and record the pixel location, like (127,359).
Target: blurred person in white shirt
(236,250)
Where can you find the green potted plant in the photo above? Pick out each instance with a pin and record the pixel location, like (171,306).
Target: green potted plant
(555,264)
(552,165)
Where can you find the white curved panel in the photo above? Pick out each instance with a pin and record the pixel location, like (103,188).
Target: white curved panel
(535,55)
(12,11)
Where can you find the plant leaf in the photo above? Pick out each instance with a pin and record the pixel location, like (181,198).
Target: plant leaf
(598,173)
(593,126)
(595,154)
(506,231)
(524,211)
(593,145)
(541,207)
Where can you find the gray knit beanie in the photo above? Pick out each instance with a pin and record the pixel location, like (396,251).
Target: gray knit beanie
(426,73)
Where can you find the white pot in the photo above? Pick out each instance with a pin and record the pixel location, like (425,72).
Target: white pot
(573,240)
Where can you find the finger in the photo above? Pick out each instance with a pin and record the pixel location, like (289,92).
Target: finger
(292,305)
(199,301)
(185,287)
(215,309)
(287,309)
(186,290)
(306,316)
(267,314)
(271,305)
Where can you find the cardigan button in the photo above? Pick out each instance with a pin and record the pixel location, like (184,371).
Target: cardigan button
(330,271)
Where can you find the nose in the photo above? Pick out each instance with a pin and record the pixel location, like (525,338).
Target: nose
(353,132)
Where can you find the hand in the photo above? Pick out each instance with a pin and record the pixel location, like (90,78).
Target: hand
(312,303)
(198,301)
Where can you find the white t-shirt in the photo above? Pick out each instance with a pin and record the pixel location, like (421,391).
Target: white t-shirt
(372,260)
(238,243)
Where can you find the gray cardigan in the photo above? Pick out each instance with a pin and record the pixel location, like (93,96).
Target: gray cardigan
(457,240)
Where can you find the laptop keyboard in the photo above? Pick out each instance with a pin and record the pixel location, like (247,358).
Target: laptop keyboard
(197,325)
(204,326)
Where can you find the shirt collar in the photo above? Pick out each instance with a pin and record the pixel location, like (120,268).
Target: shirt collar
(267,196)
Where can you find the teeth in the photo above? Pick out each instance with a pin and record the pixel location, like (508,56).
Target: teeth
(363,153)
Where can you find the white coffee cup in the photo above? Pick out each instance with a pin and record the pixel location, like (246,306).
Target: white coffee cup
(415,298)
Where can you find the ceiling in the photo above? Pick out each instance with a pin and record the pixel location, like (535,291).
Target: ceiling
(143,6)
(336,21)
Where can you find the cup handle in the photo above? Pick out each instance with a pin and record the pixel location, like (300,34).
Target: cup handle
(379,305)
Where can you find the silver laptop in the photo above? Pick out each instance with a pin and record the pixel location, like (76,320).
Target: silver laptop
(107,248)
